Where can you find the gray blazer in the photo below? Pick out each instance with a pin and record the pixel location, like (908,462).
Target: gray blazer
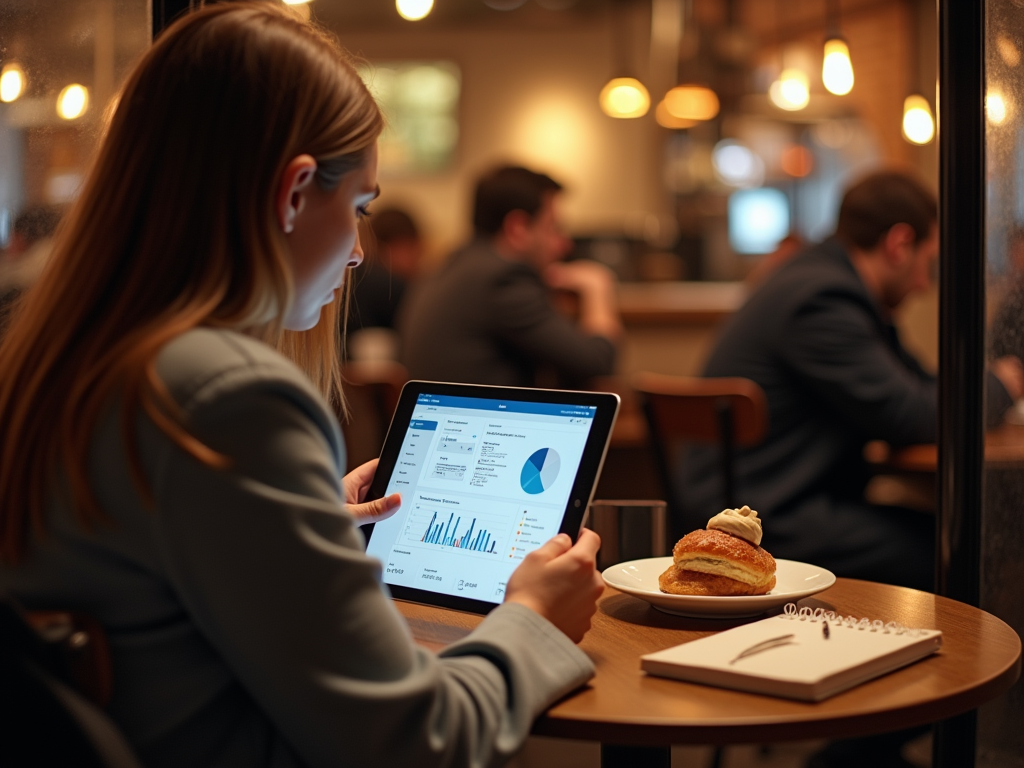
(247,626)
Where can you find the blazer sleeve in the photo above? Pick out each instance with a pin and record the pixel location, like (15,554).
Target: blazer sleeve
(524,319)
(833,347)
(272,570)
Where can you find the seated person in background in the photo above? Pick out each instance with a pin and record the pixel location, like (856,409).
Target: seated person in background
(169,462)
(395,249)
(486,317)
(818,337)
(788,247)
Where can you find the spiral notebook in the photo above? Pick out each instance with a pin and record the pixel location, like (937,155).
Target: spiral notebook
(806,655)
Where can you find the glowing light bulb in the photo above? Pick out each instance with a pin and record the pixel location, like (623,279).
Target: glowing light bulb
(791,91)
(625,97)
(918,125)
(414,10)
(12,83)
(837,69)
(667,120)
(691,102)
(995,107)
(73,101)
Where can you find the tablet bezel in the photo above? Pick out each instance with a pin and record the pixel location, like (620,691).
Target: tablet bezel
(587,475)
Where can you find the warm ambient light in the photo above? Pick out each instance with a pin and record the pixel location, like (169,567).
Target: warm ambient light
(12,83)
(73,101)
(995,108)
(918,125)
(295,2)
(691,102)
(414,10)
(625,97)
(667,120)
(1008,50)
(837,69)
(797,161)
(791,91)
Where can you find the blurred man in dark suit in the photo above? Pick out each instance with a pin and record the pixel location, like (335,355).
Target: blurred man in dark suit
(818,337)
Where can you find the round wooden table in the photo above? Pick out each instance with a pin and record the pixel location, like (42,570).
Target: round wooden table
(625,709)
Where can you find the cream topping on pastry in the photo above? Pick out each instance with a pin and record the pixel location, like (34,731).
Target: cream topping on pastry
(742,522)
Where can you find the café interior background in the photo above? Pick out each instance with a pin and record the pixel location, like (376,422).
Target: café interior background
(693,205)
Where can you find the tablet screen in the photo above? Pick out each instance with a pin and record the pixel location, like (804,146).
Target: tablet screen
(483,483)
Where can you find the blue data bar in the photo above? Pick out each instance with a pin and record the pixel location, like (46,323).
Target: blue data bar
(509,406)
(426,426)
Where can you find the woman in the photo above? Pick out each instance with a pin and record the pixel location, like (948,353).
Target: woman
(166,470)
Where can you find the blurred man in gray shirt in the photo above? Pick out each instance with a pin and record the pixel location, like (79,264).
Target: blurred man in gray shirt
(487,317)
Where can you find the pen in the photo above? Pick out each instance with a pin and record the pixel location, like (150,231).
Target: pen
(774,642)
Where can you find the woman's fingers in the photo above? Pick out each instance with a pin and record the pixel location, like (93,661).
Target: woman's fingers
(376,510)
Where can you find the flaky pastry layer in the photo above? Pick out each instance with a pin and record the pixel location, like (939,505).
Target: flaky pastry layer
(675,581)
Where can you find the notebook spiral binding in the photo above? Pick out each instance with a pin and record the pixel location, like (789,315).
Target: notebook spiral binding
(792,613)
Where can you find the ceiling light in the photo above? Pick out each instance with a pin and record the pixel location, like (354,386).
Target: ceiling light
(691,102)
(12,82)
(73,101)
(791,91)
(414,10)
(836,68)
(918,125)
(667,120)
(995,107)
(625,97)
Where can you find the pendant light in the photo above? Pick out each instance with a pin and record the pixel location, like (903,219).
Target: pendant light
(414,10)
(792,91)
(692,102)
(918,122)
(12,82)
(836,67)
(623,96)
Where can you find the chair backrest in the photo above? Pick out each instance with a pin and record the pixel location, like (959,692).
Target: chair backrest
(728,412)
(372,389)
(43,720)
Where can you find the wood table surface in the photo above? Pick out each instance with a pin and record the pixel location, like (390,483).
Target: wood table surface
(980,659)
(1004,448)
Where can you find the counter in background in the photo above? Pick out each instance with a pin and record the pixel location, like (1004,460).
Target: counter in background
(671,327)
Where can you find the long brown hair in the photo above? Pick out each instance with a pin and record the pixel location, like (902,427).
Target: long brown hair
(175,228)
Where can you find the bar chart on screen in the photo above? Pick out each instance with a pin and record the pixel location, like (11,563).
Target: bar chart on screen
(479,533)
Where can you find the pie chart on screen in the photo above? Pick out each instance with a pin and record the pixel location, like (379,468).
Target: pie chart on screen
(540,471)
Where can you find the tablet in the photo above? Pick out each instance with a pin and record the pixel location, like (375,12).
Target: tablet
(487,475)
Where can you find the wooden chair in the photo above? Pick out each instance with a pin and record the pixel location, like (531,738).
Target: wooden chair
(372,389)
(728,412)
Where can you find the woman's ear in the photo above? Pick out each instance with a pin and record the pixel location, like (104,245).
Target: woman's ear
(291,192)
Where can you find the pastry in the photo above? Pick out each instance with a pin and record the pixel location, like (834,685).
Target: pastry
(725,559)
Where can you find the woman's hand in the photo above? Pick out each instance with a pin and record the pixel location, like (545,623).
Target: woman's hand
(560,582)
(355,485)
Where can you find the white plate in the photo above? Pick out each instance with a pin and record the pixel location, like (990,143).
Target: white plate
(793,581)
